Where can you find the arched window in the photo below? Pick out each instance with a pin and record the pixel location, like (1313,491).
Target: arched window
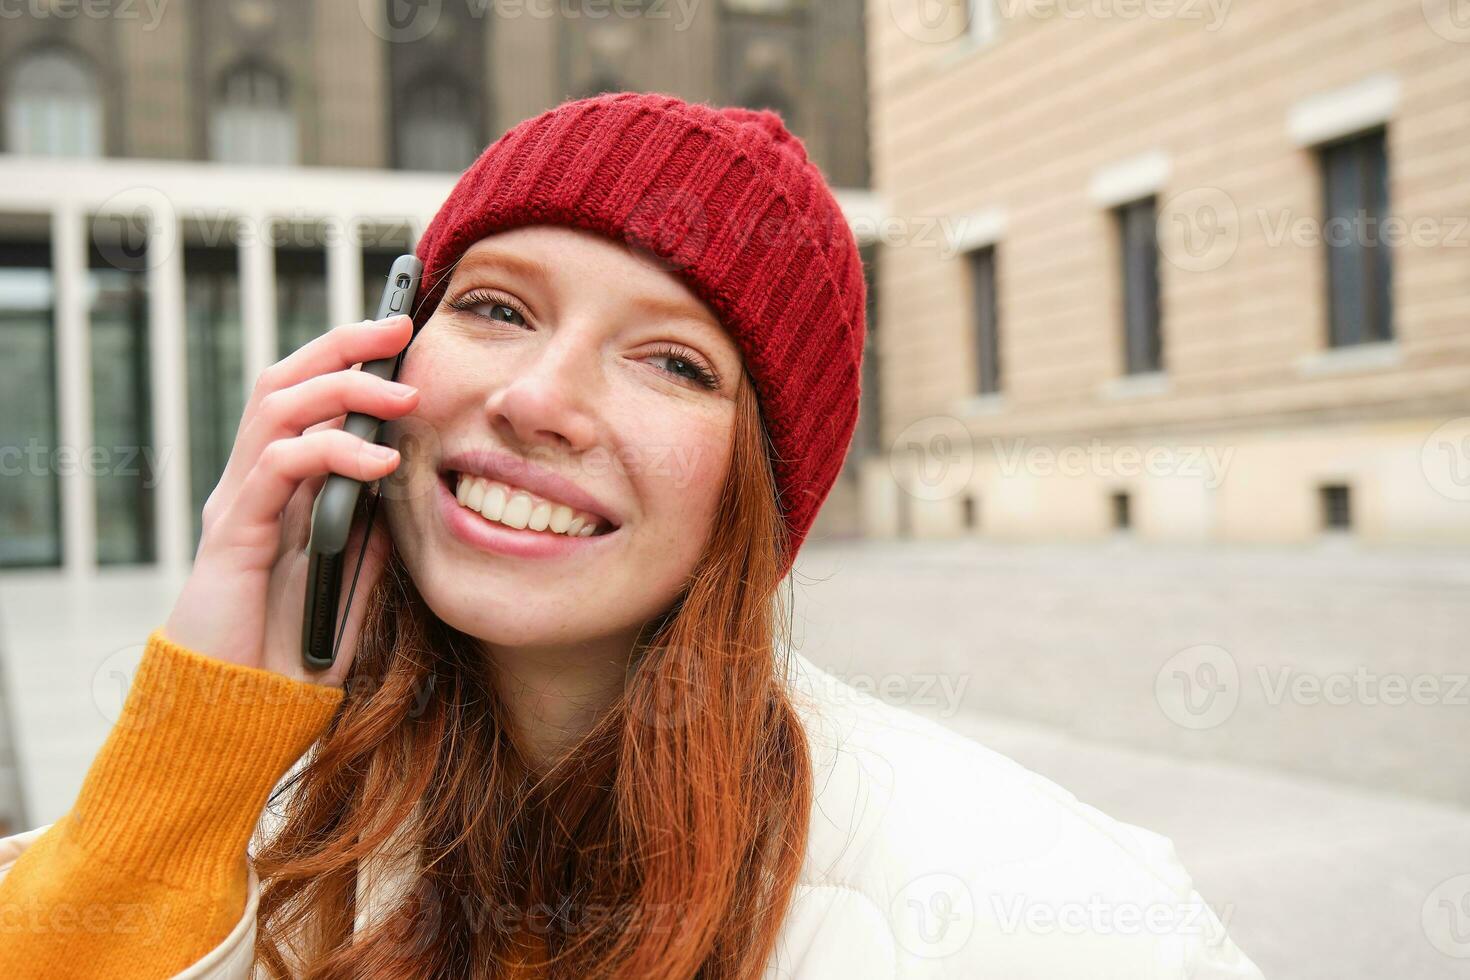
(435,131)
(54,108)
(251,119)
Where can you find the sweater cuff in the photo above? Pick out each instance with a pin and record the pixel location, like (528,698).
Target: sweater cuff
(181,782)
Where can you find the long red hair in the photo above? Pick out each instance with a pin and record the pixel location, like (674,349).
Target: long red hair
(665,844)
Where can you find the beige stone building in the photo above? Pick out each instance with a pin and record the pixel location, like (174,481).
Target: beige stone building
(1197,271)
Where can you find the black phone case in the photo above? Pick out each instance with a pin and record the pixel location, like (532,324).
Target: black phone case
(337,503)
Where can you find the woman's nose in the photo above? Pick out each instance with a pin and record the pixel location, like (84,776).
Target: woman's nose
(547,403)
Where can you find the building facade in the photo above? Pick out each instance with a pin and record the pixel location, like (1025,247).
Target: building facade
(1195,272)
(190,190)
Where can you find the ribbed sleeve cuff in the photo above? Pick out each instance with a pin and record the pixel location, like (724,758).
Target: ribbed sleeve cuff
(181,782)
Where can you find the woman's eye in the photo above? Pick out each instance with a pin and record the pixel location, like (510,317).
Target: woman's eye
(506,314)
(488,305)
(685,368)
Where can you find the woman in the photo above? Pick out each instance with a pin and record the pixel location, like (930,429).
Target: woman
(563,737)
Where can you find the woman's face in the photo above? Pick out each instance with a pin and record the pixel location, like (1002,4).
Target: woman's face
(581,383)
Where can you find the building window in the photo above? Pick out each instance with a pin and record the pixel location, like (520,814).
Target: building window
(301,297)
(251,121)
(215,368)
(984,309)
(1337,507)
(1143,336)
(434,131)
(1359,261)
(122,405)
(53,108)
(30,501)
(1122,505)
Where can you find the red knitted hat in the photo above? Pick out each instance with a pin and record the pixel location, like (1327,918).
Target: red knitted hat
(728,201)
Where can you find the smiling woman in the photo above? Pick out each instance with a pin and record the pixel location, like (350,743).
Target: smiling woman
(565,736)
(566,373)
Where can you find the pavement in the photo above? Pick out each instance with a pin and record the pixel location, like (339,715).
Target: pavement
(1323,814)
(1328,826)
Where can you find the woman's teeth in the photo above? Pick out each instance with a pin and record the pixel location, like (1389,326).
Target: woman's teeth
(519,509)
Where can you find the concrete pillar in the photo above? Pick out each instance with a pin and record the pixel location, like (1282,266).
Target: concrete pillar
(257,296)
(74,391)
(168,380)
(344,272)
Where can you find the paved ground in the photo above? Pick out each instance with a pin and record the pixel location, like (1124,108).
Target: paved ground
(1332,832)
(1312,826)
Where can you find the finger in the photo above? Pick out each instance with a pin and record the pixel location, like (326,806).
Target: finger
(255,514)
(337,350)
(322,400)
(334,352)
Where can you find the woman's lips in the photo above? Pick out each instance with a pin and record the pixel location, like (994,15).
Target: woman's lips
(475,530)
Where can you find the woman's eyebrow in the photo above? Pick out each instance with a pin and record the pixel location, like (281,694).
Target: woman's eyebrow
(668,308)
(519,265)
(675,309)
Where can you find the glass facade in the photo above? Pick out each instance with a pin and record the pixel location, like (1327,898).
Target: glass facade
(301,297)
(215,367)
(30,492)
(123,466)
(121,408)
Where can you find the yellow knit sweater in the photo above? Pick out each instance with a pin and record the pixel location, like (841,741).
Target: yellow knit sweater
(147,872)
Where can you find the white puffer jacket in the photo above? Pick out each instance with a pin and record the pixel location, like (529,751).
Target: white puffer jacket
(929,856)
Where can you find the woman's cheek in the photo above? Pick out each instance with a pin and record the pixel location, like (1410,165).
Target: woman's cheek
(691,464)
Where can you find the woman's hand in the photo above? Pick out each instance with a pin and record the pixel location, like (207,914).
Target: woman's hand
(243,601)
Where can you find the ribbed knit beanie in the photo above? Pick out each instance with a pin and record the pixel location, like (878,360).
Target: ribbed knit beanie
(729,202)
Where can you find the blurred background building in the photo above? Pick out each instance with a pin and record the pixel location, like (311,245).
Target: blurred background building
(1195,271)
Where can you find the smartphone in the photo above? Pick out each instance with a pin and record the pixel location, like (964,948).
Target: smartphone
(332,513)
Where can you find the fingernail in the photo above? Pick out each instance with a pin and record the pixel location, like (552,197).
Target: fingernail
(402,390)
(385,453)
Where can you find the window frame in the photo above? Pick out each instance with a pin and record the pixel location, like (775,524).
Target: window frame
(1372,321)
(981,268)
(1142,317)
(223,115)
(96,138)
